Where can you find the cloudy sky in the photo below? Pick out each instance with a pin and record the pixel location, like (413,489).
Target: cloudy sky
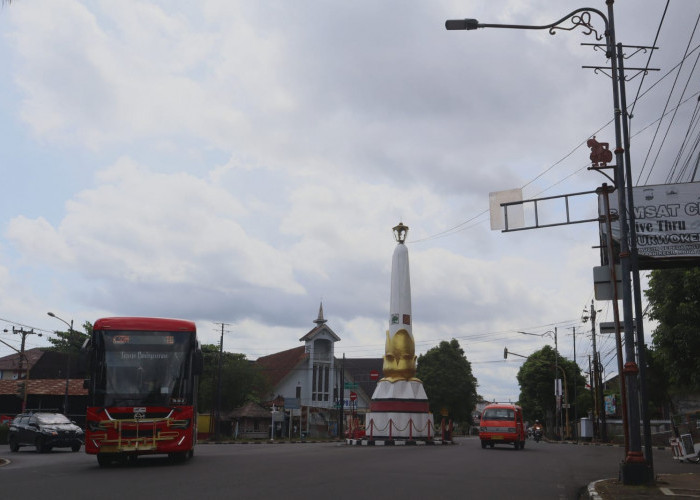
(239,162)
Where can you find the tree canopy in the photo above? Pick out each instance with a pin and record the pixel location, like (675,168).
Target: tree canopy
(448,380)
(674,300)
(70,341)
(241,380)
(536,379)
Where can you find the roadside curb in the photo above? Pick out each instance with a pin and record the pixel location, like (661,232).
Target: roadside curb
(269,442)
(592,492)
(395,442)
(587,443)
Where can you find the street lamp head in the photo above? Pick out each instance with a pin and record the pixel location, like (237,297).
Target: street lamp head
(461,24)
(51,314)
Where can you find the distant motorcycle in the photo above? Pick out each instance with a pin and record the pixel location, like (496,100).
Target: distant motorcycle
(537,434)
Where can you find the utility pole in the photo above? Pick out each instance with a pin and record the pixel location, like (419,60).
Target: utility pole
(601,396)
(573,329)
(216,407)
(341,392)
(600,402)
(595,398)
(636,468)
(557,391)
(23,357)
(596,376)
(598,389)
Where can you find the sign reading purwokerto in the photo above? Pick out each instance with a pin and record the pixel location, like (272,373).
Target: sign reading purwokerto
(667,221)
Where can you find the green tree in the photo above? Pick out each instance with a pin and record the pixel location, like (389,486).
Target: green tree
(674,300)
(70,341)
(658,387)
(448,380)
(536,380)
(241,380)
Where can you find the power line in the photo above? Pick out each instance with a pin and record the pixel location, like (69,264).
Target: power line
(675,81)
(23,325)
(651,53)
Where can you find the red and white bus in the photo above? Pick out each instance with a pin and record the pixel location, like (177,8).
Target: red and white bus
(142,388)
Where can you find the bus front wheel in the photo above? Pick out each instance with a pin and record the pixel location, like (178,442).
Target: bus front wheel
(179,457)
(104,460)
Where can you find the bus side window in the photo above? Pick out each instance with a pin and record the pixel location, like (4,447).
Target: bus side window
(197,362)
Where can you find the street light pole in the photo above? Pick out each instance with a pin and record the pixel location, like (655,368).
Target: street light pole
(566,400)
(573,330)
(70,332)
(556,384)
(635,469)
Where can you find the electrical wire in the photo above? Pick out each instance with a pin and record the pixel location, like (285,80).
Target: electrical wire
(692,125)
(670,94)
(673,169)
(651,53)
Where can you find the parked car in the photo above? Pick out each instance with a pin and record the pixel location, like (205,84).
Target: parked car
(45,431)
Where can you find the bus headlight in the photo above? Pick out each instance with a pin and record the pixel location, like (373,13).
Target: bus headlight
(180,424)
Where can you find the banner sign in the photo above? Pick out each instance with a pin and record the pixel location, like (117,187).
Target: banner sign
(667,221)
(610,405)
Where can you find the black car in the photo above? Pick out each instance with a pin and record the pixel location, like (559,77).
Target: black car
(45,431)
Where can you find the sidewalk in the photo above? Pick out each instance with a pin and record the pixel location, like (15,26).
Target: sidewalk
(675,485)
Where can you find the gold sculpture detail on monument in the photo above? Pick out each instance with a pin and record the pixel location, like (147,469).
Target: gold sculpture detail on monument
(399,357)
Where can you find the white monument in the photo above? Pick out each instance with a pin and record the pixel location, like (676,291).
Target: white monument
(399,407)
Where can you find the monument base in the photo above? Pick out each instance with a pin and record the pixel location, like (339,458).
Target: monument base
(399,410)
(632,473)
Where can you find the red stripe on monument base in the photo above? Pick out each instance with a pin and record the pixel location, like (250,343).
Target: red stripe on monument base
(400,406)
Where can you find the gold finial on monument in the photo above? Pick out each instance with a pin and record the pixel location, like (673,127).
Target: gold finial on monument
(400,232)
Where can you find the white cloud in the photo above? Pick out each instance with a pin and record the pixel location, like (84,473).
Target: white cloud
(138,226)
(241,161)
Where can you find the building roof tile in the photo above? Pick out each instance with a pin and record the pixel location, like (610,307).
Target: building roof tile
(249,410)
(11,361)
(277,366)
(53,387)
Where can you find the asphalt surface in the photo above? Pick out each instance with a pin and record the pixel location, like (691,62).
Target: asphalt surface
(335,470)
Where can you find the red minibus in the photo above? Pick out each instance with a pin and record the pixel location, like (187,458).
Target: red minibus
(502,423)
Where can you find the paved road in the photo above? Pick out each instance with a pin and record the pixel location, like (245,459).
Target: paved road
(323,470)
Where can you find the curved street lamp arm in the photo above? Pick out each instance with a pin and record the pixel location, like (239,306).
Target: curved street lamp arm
(579,18)
(69,325)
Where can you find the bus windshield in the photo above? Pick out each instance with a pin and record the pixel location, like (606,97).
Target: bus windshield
(144,368)
(499,414)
